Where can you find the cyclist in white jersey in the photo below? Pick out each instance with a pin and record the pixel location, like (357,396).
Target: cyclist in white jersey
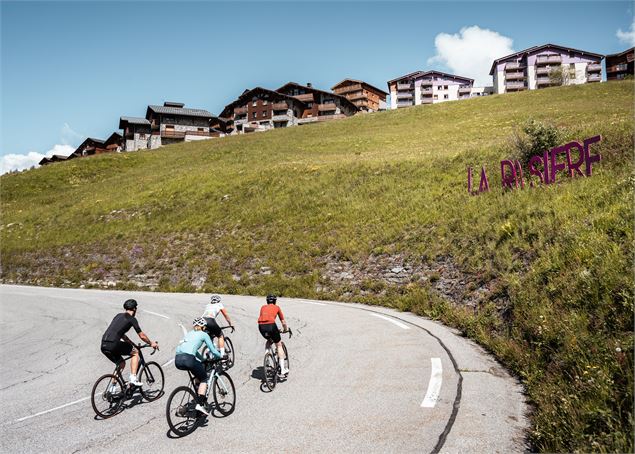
(212,310)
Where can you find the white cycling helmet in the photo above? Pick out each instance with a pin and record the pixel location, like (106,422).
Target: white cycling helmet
(215,299)
(199,321)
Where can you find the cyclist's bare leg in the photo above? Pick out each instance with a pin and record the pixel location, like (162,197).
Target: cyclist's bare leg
(134,361)
(280,351)
(221,342)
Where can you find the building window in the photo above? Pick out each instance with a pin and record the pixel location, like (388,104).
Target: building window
(445,96)
(255,114)
(254,103)
(436,96)
(264,103)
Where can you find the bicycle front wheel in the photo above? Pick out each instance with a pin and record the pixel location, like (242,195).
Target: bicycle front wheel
(229,351)
(224,394)
(180,411)
(286,354)
(151,375)
(108,396)
(270,371)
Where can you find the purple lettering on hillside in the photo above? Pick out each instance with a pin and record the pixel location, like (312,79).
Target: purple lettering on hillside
(545,167)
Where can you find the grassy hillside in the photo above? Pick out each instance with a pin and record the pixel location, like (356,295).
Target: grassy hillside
(374,208)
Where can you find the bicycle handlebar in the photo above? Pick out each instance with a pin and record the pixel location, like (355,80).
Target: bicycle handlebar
(288,331)
(140,346)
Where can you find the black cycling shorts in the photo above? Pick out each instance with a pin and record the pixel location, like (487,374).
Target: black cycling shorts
(270,331)
(115,350)
(212,328)
(184,361)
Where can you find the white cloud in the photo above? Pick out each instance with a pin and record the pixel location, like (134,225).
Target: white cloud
(25,161)
(69,136)
(627,37)
(470,52)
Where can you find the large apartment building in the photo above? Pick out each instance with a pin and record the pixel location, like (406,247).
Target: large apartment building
(320,105)
(366,97)
(260,109)
(544,66)
(620,65)
(429,87)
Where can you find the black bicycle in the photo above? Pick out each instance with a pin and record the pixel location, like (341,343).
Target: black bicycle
(180,411)
(272,365)
(230,355)
(111,390)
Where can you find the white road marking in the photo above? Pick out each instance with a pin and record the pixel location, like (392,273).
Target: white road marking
(183,328)
(434,387)
(52,409)
(310,302)
(168,363)
(391,320)
(154,313)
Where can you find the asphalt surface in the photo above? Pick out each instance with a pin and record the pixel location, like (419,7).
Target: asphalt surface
(363,379)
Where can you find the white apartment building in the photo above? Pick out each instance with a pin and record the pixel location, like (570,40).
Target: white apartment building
(544,66)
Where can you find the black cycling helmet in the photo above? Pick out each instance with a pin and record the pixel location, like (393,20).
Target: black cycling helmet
(130,305)
(271,299)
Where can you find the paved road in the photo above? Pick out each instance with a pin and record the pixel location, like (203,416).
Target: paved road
(363,379)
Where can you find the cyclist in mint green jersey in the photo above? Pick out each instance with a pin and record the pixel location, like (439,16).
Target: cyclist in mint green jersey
(189,358)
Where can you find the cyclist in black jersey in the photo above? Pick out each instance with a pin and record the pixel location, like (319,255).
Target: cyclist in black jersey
(114,348)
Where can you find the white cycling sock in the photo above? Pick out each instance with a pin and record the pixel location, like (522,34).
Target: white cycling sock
(222,351)
(133,377)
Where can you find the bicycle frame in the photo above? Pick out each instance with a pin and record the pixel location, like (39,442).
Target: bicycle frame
(142,363)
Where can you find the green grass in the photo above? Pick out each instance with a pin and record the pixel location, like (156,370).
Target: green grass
(547,271)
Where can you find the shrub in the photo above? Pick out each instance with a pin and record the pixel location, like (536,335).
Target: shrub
(534,138)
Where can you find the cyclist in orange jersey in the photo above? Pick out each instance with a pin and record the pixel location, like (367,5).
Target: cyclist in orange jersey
(269,329)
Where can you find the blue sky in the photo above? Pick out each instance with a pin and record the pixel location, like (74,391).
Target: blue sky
(70,70)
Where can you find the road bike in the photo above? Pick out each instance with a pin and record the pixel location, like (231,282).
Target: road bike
(110,391)
(272,365)
(230,353)
(180,410)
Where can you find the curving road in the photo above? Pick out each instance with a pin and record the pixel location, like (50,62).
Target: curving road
(363,379)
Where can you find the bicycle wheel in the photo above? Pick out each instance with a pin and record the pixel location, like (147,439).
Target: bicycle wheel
(108,396)
(151,375)
(270,371)
(224,394)
(286,354)
(180,411)
(229,351)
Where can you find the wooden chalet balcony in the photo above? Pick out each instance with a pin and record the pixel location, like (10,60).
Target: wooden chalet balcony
(404,87)
(426,91)
(240,110)
(173,134)
(515,76)
(545,59)
(327,107)
(514,65)
(465,89)
(307,97)
(404,95)
(348,89)
(353,96)
(543,81)
(593,67)
(594,78)
(426,83)
(280,106)
(616,68)
(198,133)
(427,100)
(280,117)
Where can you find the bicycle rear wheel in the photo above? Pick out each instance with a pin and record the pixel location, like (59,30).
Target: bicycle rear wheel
(229,351)
(151,375)
(107,396)
(270,370)
(180,411)
(224,394)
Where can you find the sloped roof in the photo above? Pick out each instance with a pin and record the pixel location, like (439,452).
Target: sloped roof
(536,49)
(355,81)
(132,121)
(419,74)
(619,54)
(182,111)
(405,76)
